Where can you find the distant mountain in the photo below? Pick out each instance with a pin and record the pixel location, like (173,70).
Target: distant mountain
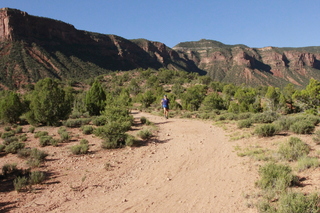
(32,48)
(253,66)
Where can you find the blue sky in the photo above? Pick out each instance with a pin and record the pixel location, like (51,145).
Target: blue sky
(255,23)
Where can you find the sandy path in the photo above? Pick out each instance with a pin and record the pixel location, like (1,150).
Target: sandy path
(192,168)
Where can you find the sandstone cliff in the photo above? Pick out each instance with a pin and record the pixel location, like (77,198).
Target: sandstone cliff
(33,47)
(254,66)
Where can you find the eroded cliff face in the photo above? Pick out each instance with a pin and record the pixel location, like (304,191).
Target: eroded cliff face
(242,64)
(33,47)
(59,50)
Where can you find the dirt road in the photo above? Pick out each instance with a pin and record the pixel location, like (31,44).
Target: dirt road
(191,168)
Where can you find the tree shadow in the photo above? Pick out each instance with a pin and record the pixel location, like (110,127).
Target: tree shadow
(7,206)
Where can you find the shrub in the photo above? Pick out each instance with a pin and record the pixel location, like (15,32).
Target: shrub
(130,140)
(316,137)
(9,140)
(20,183)
(19,129)
(299,203)
(40,134)
(265,117)
(84,141)
(47,141)
(306,162)
(244,123)
(245,115)
(87,129)
(61,130)
(276,176)
(7,134)
(7,128)
(302,127)
(37,177)
(14,147)
(265,130)
(143,120)
(36,157)
(23,137)
(9,169)
(113,142)
(145,134)
(65,137)
(2,147)
(79,149)
(75,123)
(31,129)
(99,120)
(293,149)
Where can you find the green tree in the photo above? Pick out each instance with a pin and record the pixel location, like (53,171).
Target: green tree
(48,103)
(95,99)
(193,97)
(309,98)
(213,101)
(10,107)
(272,98)
(147,98)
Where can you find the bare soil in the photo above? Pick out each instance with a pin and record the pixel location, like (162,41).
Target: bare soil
(188,166)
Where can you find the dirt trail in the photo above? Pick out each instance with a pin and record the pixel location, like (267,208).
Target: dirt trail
(192,168)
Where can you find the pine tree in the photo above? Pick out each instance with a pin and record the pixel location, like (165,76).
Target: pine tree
(95,99)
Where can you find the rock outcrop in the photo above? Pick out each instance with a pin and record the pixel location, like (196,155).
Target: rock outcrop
(33,47)
(242,64)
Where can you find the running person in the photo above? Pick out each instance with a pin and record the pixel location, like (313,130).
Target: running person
(165,105)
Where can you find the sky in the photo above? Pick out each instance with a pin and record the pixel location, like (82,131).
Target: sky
(255,23)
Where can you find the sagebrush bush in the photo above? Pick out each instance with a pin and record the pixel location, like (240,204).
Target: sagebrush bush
(143,120)
(112,129)
(23,137)
(32,129)
(84,141)
(87,129)
(293,149)
(47,141)
(265,117)
(297,202)
(36,157)
(20,183)
(276,177)
(76,123)
(8,169)
(79,149)
(36,177)
(306,162)
(40,134)
(244,123)
(2,147)
(145,134)
(7,128)
(265,130)
(316,137)
(65,137)
(9,140)
(9,134)
(302,127)
(99,120)
(130,140)
(14,147)
(62,130)
(19,129)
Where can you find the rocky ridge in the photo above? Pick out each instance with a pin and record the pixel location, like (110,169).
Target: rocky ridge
(34,47)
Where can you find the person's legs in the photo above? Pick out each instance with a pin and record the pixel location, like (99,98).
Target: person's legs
(167,112)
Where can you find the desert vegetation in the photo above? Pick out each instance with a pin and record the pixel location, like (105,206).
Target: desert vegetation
(102,107)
